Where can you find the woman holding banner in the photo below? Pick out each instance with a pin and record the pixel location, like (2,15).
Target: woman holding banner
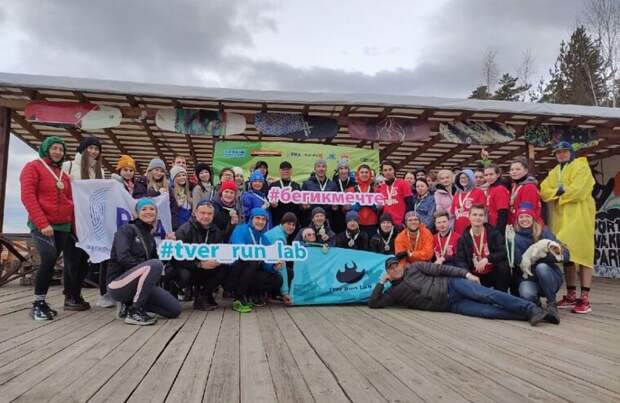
(46,195)
(86,165)
(135,269)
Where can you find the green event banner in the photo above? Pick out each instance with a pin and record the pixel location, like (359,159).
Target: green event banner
(246,154)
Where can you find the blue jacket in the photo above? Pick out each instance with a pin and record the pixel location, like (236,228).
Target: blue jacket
(241,236)
(250,200)
(425,208)
(524,239)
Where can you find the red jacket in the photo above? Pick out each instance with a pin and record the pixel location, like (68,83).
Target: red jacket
(450,246)
(45,203)
(527,192)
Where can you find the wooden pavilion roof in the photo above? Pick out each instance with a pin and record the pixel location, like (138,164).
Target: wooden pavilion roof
(139,137)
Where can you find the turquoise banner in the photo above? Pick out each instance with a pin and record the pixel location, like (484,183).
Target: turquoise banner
(340,276)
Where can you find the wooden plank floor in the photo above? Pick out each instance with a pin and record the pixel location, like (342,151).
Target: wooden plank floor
(304,354)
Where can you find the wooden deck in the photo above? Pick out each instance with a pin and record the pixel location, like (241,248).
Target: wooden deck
(330,354)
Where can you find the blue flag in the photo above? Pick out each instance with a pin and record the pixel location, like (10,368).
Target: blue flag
(340,276)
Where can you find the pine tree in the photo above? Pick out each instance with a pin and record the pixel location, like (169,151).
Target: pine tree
(508,90)
(577,76)
(482,92)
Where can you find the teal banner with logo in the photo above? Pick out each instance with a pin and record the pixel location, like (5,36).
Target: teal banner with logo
(340,276)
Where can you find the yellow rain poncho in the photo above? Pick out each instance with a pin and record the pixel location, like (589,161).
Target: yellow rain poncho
(572,215)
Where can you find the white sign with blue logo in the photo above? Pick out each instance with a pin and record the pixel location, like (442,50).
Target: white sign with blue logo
(101,207)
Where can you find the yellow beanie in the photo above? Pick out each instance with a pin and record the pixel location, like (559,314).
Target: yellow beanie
(125,161)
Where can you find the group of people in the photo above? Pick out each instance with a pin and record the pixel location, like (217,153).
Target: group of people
(447,224)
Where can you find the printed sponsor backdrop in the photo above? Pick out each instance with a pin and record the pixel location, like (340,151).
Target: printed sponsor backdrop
(246,154)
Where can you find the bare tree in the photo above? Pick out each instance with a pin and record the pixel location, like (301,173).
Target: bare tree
(602,17)
(490,72)
(525,71)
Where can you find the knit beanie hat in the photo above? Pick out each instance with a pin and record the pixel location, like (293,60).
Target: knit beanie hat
(526,208)
(352,215)
(320,162)
(143,203)
(201,166)
(318,210)
(125,161)
(237,171)
(386,217)
(289,218)
(343,163)
(156,163)
(175,170)
(44,148)
(257,176)
(230,185)
(89,141)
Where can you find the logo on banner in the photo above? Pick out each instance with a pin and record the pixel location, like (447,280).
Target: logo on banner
(96,207)
(350,275)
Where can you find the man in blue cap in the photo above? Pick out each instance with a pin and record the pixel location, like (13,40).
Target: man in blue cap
(567,190)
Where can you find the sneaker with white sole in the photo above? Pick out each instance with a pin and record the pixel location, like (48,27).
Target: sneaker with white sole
(567,303)
(105,301)
(583,306)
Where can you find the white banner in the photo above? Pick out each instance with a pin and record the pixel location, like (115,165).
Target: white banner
(101,207)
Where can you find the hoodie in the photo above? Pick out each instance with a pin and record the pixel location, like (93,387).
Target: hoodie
(246,234)
(464,199)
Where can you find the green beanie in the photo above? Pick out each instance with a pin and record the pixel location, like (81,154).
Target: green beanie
(44,148)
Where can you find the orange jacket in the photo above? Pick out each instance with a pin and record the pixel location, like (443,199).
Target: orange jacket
(423,251)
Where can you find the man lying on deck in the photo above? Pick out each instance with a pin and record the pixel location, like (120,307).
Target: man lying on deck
(435,287)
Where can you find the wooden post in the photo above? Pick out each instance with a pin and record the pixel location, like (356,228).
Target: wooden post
(5,136)
(531,158)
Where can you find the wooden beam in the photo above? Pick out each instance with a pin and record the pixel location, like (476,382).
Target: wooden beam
(20,120)
(430,143)
(133,102)
(121,148)
(447,156)
(5,138)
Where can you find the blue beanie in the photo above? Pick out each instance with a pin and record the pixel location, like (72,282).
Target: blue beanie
(258,212)
(257,176)
(143,203)
(352,215)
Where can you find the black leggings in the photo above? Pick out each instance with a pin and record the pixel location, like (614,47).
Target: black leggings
(76,268)
(138,286)
(49,249)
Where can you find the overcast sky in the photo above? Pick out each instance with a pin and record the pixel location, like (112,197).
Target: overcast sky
(432,48)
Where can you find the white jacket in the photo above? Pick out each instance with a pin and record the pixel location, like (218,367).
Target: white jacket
(74,168)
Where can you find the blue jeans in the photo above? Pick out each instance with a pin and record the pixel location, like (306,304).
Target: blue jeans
(546,282)
(468,298)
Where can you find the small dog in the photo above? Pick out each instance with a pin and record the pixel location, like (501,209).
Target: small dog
(538,251)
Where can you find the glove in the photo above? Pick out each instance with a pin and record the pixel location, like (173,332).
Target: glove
(560,191)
